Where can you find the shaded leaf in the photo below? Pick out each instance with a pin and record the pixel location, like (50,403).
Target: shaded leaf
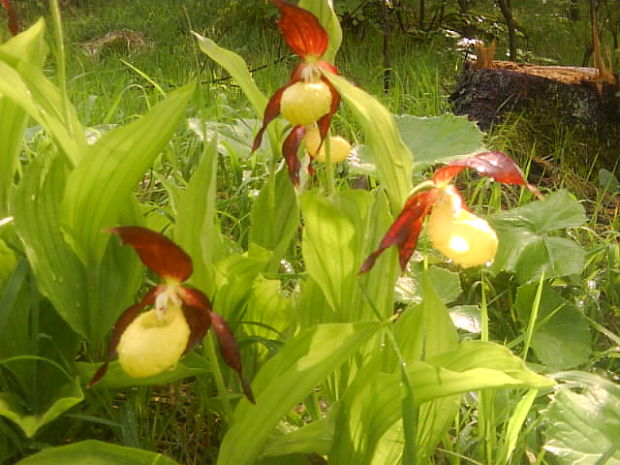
(439,139)
(12,408)
(561,337)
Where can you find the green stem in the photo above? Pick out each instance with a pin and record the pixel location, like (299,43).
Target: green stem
(219,379)
(533,316)
(484,312)
(329,167)
(61,58)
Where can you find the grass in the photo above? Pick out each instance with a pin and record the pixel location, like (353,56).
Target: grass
(177,419)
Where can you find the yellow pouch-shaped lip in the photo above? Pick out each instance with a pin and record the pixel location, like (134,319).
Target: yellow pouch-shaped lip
(153,342)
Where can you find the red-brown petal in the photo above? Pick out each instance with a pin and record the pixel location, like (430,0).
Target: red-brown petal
(326,120)
(230,351)
(290,147)
(301,29)
(198,321)
(272,110)
(13,21)
(405,230)
(157,252)
(120,326)
(496,165)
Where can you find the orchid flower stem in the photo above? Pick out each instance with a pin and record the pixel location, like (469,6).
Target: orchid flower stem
(410,411)
(421,187)
(219,379)
(484,312)
(329,166)
(61,58)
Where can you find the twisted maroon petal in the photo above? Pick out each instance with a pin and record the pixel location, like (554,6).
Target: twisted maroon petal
(290,147)
(157,252)
(272,110)
(120,326)
(301,29)
(13,21)
(496,165)
(230,351)
(405,230)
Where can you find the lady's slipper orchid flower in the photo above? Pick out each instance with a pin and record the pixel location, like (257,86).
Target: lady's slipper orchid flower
(308,97)
(453,230)
(150,342)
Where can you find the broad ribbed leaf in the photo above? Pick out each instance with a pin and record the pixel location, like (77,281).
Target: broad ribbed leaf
(302,363)
(583,420)
(275,217)
(23,82)
(96,453)
(30,46)
(88,299)
(390,155)
(332,240)
(190,365)
(99,187)
(237,68)
(526,248)
(196,229)
(376,398)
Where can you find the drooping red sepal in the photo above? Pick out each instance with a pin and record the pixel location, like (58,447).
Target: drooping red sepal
(301,29)
(157,252)
(272,110)
(405,230)
(13,21)
(230,351)
(290,147)
(120,326)
(496,165)
(196,309)
(325,121)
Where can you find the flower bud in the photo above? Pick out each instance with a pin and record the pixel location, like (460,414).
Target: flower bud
(460,235)
(339,147)
(153,342)
(304,103)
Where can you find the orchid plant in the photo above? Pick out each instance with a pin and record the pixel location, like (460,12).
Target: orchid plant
(150,342)
(463,237)
(309,100)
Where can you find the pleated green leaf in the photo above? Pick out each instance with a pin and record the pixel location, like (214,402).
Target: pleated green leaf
(30,46)
(96,453)
(88,299)
(302,363)
(100,185)
(275,217)
(475,365)
(390,155)
(23,83)
(332,240)
(196,230)
(237,68)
